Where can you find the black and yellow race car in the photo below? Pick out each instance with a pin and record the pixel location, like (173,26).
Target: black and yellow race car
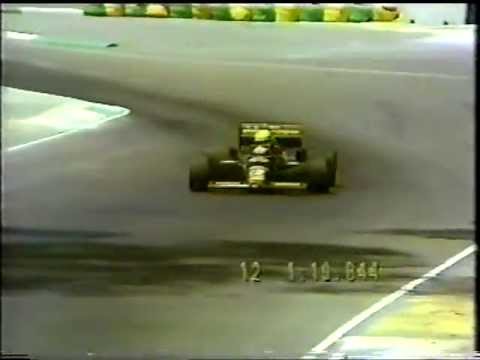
(268,156)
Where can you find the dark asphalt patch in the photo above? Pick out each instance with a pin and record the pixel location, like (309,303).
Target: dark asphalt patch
(54,233)
(88,268)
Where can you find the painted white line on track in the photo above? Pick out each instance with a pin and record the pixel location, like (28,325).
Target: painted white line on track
(321,348)
(15,35)
(356,71)
(69,132)
(48,138)
(395,73)
(283,65)
(272,64)
(59,10)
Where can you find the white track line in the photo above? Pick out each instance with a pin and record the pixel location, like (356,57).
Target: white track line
(356,320)
(56,136)
(31,9)
(48,138)
(395,73)
(342,70)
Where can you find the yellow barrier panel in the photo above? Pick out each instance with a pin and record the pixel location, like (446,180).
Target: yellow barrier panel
(114,9)
(201,11)
(286,12)
(335,13)
(385,13)
(240,12)
(156,10)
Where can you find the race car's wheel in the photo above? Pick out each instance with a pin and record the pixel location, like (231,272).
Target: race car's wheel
(199,176)
(301,155)
(319,176)
(233,153)
(332,161)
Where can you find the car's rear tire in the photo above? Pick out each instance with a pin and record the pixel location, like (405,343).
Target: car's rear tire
(301,155)
(322,173)
(332,162)
(318,176)
(199,176)
(233,153)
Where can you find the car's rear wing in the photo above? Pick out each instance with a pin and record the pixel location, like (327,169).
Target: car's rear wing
(289,135)
(280,129)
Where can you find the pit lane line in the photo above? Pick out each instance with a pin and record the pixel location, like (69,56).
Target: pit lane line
(321,348)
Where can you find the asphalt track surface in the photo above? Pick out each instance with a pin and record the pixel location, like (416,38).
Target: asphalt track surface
(107,251)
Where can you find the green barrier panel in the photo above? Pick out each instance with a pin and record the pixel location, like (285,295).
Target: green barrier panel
(135,10)
(240,13)
(180,11)
(335,14)
(95,10)
(201,11)
(360,13)
(287,14)
(311,13)
(263,13)
(114,9)
(385,13)
(221,12)
(156,10)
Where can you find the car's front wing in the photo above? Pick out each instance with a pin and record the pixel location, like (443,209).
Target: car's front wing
(243,185)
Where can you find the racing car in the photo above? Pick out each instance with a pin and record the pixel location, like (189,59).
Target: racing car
(268,156)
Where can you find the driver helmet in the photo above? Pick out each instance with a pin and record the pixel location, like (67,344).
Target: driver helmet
(262,136)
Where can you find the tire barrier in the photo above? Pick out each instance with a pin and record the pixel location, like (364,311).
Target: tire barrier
(201,12)
(385,13)
(221,12)
(335,13)
(241,12)
(180,11)
(311,13)
(156,10)
(114,9)
(287,12)
(95,10)
(135,10)
(360,13)
(263,12)
(281,12)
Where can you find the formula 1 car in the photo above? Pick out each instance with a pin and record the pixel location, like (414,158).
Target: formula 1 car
(269,156)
